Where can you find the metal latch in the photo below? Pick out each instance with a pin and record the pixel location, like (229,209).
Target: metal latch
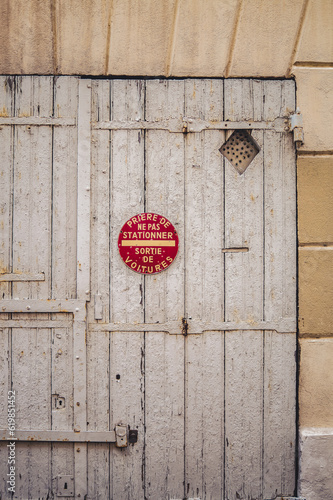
(121,436)
(296,126)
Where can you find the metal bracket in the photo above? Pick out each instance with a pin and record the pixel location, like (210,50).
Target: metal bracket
(121,436)
(296,126)
(188,326)
(187,125)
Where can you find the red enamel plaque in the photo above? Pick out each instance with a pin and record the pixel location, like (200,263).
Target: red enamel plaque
(148,243)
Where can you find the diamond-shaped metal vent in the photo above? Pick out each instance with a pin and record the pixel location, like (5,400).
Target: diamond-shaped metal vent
(240,149)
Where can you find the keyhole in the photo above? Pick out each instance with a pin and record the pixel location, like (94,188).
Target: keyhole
(60,404)
(65,487)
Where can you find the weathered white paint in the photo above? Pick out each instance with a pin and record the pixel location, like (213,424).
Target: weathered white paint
(214,410)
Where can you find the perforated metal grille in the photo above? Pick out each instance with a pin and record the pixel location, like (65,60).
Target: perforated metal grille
(240,149)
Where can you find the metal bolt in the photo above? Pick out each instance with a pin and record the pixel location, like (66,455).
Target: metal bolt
(28,308)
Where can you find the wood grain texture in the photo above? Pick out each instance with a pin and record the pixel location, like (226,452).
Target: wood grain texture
(164,300)
(64,191)
(215,412)
(204,292)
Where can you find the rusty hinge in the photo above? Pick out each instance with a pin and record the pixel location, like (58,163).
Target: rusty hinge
(296,126)
(184,327)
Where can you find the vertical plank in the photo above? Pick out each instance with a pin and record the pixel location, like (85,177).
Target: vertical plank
(31,357)
(279,425)
(244,200)
(7,85)
(100,199)
(98,396)
(31,380)
(7,89)
(244,292)
(280,294)
(164,300)
(4,374)
(4,387)
(32,188)
(126,291)
(83,200)
(204,226)
(204,439)
(64,191)
(62,386)
(280,208)
(98,369)
(82,283)
(243,414)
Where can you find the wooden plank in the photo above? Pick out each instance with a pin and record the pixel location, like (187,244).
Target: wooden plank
(31,377)
(83,191)
(126,291)
(64,191)
(100,200)
(64,248)
(204,289)
(32,254)
(98,397)
(243,414)
(98,345)
(280,209)
(204,438)
(62,386)
(244,199)
(7,85)
(244,300)
(32,189)
(164,301)
(22,277)
(279,414)
(4,376)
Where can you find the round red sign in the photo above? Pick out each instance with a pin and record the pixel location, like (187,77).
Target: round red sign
(148,243)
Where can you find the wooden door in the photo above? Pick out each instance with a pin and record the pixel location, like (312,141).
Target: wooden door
(200,358)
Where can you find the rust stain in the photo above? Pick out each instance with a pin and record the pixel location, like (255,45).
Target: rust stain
(4,112)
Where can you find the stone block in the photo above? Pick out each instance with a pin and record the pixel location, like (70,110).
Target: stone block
(316,40)
(81,36)
(315,199)
(265,38)
(315,100)
(26,37)
(315,291)
(316,383)
(140,37)
(202,38)
(316,464)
